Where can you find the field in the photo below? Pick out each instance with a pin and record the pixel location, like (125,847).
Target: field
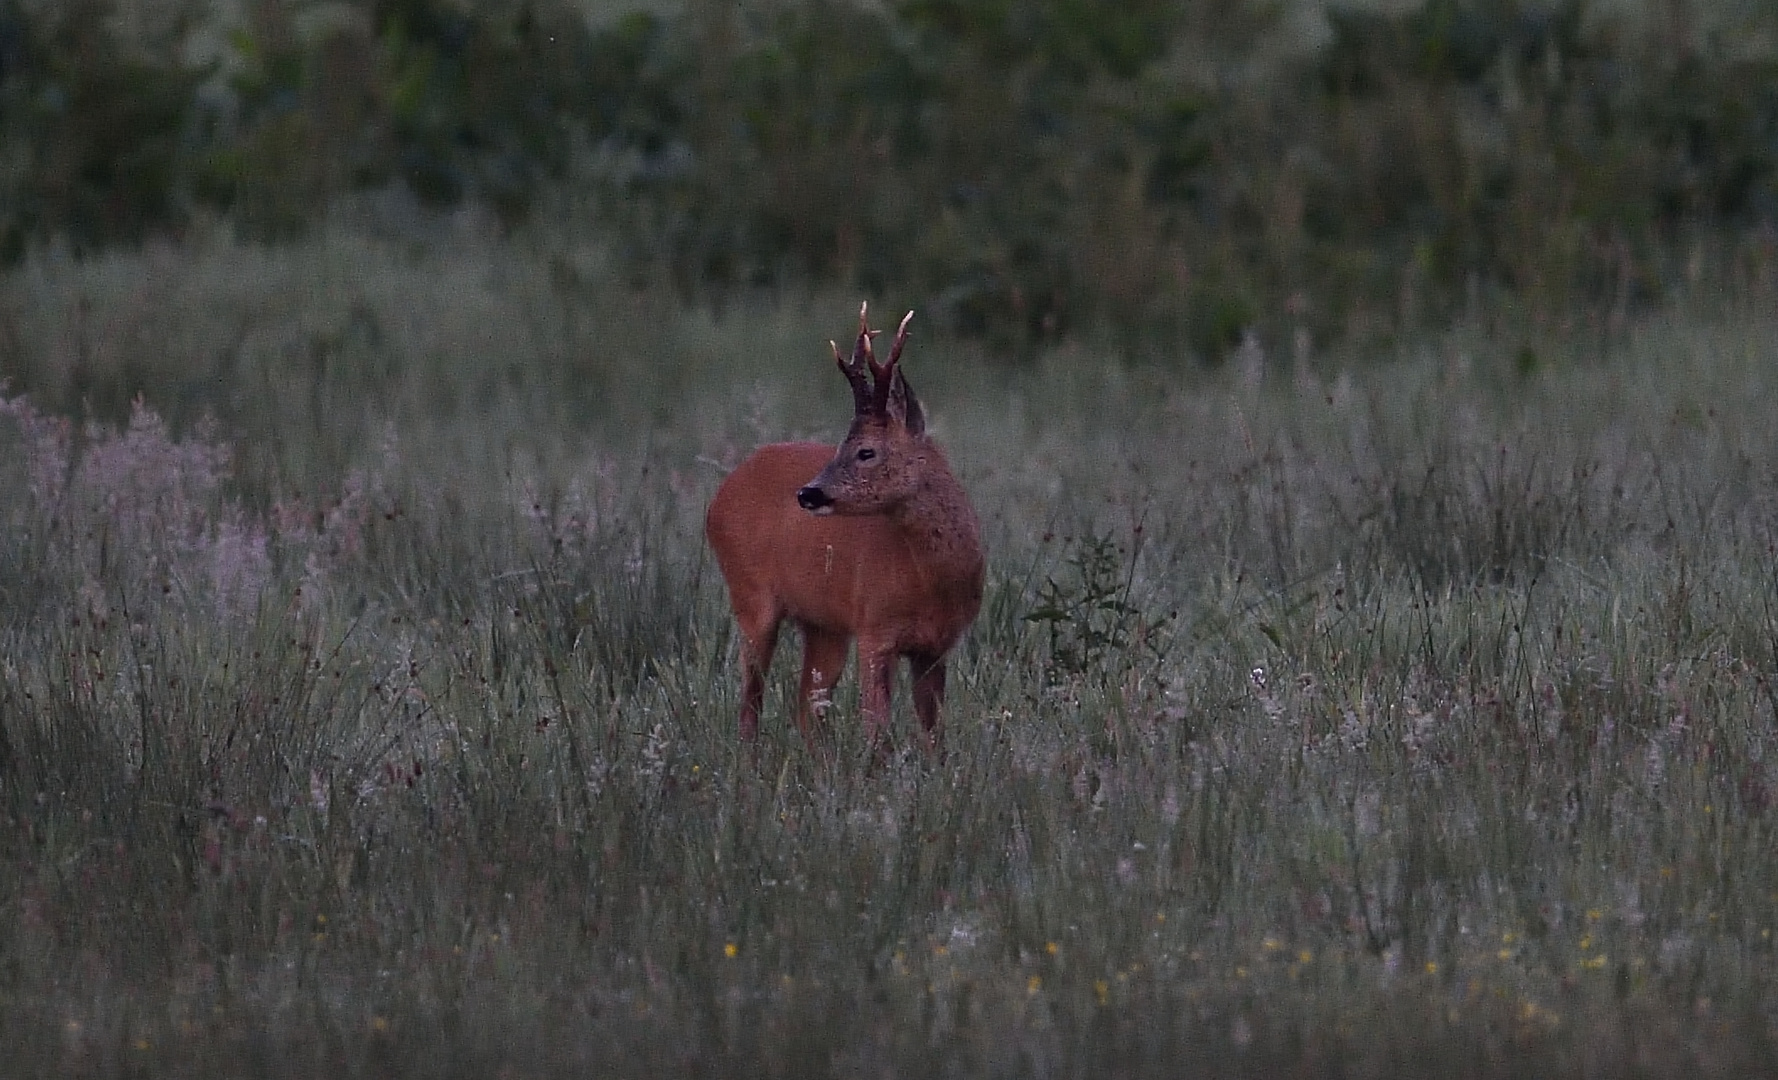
(367,693)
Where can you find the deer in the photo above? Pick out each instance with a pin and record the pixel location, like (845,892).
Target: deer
(875,541)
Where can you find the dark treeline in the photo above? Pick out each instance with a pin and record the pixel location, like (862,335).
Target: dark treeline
(1187,169)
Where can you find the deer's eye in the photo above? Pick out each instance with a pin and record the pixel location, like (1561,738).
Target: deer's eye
(866,454)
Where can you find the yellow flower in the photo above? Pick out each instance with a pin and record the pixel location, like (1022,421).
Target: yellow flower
(731,950)
(1034,985)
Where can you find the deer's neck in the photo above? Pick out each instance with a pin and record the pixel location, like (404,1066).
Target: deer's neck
(939,519)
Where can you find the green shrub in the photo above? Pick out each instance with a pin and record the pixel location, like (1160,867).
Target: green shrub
(1199,167)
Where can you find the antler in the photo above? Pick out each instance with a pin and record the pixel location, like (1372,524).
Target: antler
(885,373)
(871,381)
(862,368)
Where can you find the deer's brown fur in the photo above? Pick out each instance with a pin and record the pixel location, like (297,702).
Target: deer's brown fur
(876,542)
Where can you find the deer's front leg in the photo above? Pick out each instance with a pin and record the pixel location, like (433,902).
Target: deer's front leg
(824,657)
(876,671)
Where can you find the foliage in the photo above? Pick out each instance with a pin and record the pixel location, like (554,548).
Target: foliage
(91,128)
(1189,170)
(1090,622)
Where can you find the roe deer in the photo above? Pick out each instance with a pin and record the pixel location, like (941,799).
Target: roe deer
(875,541)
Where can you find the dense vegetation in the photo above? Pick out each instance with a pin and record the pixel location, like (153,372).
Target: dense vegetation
(1179,173)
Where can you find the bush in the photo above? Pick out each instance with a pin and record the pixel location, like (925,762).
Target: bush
(1200,168)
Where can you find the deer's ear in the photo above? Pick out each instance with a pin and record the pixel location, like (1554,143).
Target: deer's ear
(904,406)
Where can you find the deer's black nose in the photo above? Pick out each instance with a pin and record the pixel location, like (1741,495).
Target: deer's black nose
(813,498)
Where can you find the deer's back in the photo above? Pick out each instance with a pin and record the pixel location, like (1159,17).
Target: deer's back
(861,574)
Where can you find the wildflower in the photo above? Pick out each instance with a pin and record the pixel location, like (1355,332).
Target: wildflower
(46,451)
(731,950)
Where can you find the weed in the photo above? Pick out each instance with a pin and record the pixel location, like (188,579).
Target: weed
(1091,627)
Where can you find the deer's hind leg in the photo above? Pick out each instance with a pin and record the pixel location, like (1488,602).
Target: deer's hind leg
(929,693)
(824,658)
(759,639)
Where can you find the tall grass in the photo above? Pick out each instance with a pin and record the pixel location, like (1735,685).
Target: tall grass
(1402,717)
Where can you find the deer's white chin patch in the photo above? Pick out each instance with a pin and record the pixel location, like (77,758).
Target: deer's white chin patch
(822,511)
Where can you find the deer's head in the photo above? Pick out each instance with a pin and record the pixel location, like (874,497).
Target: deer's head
(884,458)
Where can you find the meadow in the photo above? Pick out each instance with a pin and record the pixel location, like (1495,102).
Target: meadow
(367,692)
